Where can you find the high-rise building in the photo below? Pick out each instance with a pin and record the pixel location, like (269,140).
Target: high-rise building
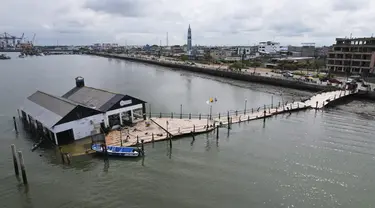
(354,55)
(189,46)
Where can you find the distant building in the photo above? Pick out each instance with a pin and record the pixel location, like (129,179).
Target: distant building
(354,55)
(269,47)
(189,43)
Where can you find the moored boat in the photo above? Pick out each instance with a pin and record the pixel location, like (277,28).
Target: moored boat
(116,150)
(4,57)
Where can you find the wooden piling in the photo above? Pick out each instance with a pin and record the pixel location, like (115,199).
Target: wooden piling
(252,110)
(217,132)
(150,111)
(200,116)
(264,115)
(15,163)
(189,115)
(194,128)
(142,146)
(219,116)
(137,139)
(23,169)
(236,113)
(152,138)
(316,105)
(172,115)
(15,124)
(192,134)
(160,115)
(170,140)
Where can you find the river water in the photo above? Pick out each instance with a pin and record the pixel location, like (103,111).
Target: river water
(306,159)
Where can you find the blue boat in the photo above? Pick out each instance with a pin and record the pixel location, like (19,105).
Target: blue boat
(117,151)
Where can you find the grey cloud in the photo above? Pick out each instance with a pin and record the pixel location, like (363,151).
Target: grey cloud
(350,5)
(126,8)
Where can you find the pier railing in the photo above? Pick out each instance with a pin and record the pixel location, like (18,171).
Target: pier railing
(218,114)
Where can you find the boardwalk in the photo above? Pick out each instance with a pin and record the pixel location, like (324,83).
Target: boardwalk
(157,127)
(322,99)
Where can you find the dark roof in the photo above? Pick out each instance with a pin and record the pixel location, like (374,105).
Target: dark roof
(46,108)
(94,98)
(58,105)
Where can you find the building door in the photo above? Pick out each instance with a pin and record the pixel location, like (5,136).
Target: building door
(65,137)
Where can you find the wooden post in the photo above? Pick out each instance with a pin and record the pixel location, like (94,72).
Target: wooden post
(192,134)
(150,110)
(194,128)
(181,111)
(23,170)
(15,164)
(189,115)
(152,137)
(316,105)
(272,101)
(62,155)
(142,147)
(236,112)
(137,139)
(170,140)
(264,115)
(172,115)
(252,110)
(248,118)
(219,116)
(15,124)
(217,132)
(200,116)
(269,110)
(160,115)
(228,118)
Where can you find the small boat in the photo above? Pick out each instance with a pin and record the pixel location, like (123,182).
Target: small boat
(117,151)
(4,57)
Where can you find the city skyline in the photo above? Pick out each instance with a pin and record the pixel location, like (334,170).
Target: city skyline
(141,22)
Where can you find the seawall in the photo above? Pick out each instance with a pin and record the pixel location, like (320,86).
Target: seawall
(229,74)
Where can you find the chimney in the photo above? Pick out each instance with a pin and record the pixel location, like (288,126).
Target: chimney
(80,82)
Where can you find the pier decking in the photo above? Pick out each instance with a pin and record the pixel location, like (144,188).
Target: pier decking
(158,128)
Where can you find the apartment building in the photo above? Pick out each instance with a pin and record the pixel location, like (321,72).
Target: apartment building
(354,55)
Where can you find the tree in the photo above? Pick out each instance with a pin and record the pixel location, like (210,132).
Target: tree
(236,66)
(184,57)
(255,64)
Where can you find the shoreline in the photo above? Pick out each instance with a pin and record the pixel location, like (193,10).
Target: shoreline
(299,85)
(274,81)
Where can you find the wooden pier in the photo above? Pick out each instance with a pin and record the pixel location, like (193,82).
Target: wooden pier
(163,126)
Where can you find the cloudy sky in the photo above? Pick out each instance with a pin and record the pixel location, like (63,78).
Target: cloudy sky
(213,22)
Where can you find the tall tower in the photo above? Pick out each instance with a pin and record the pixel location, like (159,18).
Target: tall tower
(189,48)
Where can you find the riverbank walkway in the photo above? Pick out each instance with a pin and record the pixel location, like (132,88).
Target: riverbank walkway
(164,126)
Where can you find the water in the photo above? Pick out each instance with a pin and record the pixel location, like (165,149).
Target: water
(306,159)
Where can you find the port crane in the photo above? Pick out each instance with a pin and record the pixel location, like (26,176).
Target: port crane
(8,40)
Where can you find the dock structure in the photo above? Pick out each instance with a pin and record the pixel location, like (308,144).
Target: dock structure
(321,100)
(158,128)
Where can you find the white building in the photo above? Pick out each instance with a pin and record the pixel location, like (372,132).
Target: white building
(269,47)
(81,112)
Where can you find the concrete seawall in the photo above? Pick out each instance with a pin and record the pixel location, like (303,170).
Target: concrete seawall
(228,74)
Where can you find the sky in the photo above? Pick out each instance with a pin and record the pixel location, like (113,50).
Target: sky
(213,22)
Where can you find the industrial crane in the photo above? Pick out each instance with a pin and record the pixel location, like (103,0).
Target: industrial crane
(5,39)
